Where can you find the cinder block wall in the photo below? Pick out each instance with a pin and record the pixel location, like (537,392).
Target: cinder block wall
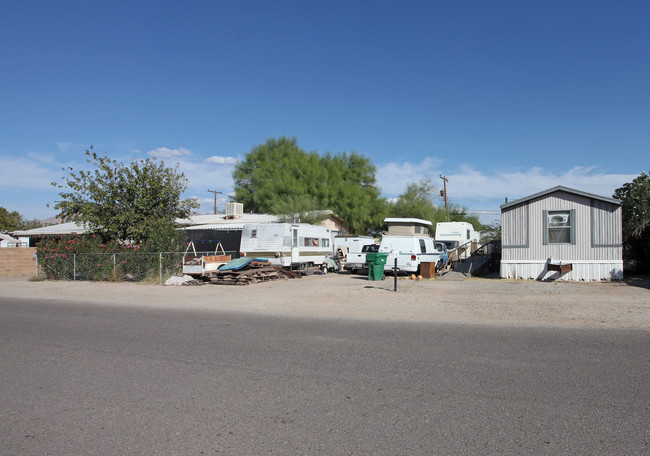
(17,261)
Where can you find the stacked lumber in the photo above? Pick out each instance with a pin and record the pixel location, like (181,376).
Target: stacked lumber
(253,272)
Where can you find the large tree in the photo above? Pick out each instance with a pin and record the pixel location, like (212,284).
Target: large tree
(635,196)
(279,177)
(9,220)
(12,221)
(138,202)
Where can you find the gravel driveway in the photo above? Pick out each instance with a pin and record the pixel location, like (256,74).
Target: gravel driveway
(346,296)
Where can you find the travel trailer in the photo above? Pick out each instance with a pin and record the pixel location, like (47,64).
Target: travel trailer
(345,244)
(458,236)
(409,242)
(287,244)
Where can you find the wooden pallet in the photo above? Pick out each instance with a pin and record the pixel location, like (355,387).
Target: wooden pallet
(253,273)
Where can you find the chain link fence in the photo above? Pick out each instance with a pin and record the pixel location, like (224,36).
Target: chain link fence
(127,266)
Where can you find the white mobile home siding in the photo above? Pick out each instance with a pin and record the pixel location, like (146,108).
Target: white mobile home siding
(596,252)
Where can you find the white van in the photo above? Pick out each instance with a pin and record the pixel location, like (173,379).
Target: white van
(287,244)
(410,251)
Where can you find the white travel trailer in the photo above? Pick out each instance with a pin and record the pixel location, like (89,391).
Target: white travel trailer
(408,240)
(351,243)
(287,244)
(459,236)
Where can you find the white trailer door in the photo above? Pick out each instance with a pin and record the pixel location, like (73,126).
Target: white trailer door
(295,248)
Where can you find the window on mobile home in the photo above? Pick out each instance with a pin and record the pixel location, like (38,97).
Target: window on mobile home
(311,242)
(559,227)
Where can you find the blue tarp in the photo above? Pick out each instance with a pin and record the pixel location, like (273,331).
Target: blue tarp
(240,263)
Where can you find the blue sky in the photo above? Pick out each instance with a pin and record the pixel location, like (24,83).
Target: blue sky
(505,98)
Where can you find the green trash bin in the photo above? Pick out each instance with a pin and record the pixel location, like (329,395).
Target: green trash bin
(376,263)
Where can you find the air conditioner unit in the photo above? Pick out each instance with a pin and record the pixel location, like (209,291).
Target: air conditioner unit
(234,210)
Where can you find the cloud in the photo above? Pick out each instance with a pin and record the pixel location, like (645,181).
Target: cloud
(27,173)
(520,183)
(165,152)
(484,190)
(393,177)
(217,160)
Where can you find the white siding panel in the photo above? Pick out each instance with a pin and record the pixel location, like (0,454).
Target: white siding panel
(582,271)
(515,226)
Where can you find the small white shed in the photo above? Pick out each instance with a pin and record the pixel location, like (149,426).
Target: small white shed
(563,234)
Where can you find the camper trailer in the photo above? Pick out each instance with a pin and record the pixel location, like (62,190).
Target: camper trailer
(287,244)
(408,240)
(346,244)
(460,238)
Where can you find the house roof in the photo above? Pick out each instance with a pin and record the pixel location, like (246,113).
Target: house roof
(560,188)
(60,229)
(407,220)
(221,219)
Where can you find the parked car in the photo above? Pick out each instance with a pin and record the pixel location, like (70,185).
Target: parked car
(441,247)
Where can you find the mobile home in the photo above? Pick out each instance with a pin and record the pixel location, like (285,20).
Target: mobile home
(287,244)
(562,233)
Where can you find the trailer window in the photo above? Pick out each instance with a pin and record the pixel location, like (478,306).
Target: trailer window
(325,242)
(559,227)
(253,233)
(311,242)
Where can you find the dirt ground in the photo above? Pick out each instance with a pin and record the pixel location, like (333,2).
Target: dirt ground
(346,296)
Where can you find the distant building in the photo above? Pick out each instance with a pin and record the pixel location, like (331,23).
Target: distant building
(8,241)
(564,234)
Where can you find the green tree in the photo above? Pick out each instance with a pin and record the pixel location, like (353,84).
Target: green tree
(280,177)
(459,214)
(12,221)
(139,202)
(491,232)
(299,209)
(635,197)
(417,202)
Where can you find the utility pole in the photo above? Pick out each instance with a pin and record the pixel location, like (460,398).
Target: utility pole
(215,199)
(444,193)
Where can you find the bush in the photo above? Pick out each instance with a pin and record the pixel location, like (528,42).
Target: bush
(87,258)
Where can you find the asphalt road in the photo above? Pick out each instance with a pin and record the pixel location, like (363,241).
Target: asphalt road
(101,380)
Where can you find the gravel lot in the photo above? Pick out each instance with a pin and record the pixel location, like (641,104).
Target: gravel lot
(345,296)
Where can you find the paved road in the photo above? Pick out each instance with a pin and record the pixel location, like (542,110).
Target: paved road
(90,379)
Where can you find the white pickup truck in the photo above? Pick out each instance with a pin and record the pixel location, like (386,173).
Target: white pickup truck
(355,262)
